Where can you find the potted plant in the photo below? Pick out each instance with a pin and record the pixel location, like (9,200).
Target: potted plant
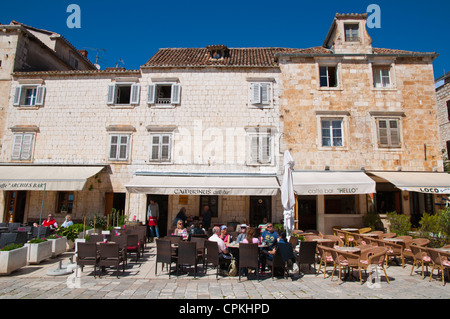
(71,233)
(12,257)
(58,244)
(38,250)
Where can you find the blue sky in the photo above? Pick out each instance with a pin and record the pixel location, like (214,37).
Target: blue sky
(133,30)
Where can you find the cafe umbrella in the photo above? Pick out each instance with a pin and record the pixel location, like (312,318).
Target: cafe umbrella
(287,193)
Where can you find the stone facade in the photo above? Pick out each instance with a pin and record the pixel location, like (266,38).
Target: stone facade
(443,104)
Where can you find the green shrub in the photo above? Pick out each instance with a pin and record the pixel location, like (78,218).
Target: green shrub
(432,228)
(37,240)
(10,247)
(71,232)
(373,221)
(399,223)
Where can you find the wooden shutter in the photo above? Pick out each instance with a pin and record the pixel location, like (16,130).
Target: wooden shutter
(27,143)
(17,95)
(383,139)
(135,94)
(265,149)
(17,146)
(40,93)
(265,93)
(113,146)
(111,94)
(151,90)
(256,93)
(175,94)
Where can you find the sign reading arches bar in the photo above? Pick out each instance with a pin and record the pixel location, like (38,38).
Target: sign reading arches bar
(204,184)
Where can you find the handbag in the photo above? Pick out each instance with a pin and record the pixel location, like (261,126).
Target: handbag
(232,269)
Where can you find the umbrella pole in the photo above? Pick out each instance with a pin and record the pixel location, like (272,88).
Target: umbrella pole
(42,208)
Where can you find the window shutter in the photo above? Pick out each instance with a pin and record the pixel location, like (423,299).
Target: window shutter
(377,78)
(151,89)
(165,147)
(111,94)
(256,93)
(135,93)
(113,146)
(40,93)
(27,143)
(265,93)
(17,146)
(254,149)
(155,147)
(123,147)
(175,94)
(394,133)
(17,95)
(265,154)
(383,133)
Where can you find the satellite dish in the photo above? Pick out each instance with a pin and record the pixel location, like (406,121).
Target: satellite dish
(97,66)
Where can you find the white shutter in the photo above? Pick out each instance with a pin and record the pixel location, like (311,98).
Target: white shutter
(113,147)
(17,95)
(175,94)
(254,149)
(155,147)
(165,147)
(264,149)
(256,93)
(111,94)
(394,133)
(265,93)
(135,93)
(40,93)
(377,78)
(17,146)
(27,143)
(151,90)
(123,147)
(383,133)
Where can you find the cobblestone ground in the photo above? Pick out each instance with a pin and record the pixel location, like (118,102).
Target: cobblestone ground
(139,282)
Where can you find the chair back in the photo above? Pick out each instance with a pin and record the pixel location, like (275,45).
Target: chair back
(132,241)
(163,251)
(416,251)
(95,238)
(248,255)
(336,239)
(388,235)
(21,238)
(364,230)
(86,250)
(294,241)
(435,256)
(286,251)
(121,240)
(200,242)
(212,252)
(187,253)
(13,226)
(40,232)
(311,237)
(420,242)
(109,251)
(378,255)
(307,252)
(176,239)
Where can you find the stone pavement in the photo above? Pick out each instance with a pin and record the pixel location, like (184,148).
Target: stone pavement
(140,282)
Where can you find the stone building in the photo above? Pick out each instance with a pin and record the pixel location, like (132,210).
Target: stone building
(349,111)
(443,113)
(24,48)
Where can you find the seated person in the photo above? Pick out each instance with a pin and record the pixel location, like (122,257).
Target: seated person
(196,229)
(180,230)
(223,250)
(251,237)
(243,234)
(224,235)
(270,238)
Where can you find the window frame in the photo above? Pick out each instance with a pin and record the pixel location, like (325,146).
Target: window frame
(352,38)
(175,94)
(21,152)
(160,145)
(64,199)
(389,130)
(336,74)
(119,144)
(331,129)
(261,94)
(20,95)
(260,159)
(112,94)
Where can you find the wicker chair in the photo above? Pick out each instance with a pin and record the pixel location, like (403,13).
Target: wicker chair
(277,261)
(375,256)
(341,260)
(133,245)
(212,256)
(307,254)
(200,241)
(87,255)
(109,255)
(407,251)
(438,262)
(393,250)
(325,258)
(248,258)
(122,241)
(337,240)
(164,254)
(420,257)
(95,238)
(294,241)
(187,255)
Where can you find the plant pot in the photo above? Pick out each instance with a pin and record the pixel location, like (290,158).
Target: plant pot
(70,245)
(79,240)
(58,246)
(13,260)
(39,252)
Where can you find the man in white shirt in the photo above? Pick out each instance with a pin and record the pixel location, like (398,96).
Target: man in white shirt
(223,251)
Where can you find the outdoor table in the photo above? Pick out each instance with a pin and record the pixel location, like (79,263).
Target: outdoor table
(236,245)
(393,239)
(447,250)
(370,235)
(348,249)
(322,240)
(350,229)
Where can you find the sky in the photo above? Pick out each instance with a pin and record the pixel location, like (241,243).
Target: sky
(129,32)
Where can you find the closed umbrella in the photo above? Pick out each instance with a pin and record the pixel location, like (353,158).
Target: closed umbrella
(287,193)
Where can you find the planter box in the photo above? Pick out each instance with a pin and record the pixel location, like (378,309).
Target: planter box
(13,260)
(78,240)
(58,246)
(39,252)
(70,245)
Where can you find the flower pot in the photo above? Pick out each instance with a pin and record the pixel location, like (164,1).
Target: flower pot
(39,252)
(13,260)
(58,246)
(70,244)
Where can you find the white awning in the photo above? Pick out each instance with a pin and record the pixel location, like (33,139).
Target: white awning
(49,178)
(422,182)
(204,184)
(332,183)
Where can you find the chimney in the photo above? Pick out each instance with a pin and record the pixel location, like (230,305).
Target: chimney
(83,53)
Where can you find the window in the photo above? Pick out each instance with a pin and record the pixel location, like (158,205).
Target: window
(448,110)
(260,93)
(119,146)
(332,134)
(328,76)
(123,94)
(29,95)
(212,202)
(164,94)
(65,202)
(388,133)
(340,204)
(381,77)
(260,148)
(23,146)
(160,147)
(351,32)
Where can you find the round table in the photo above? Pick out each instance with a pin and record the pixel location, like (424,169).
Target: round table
(349,229)
(393,239)
(348,249)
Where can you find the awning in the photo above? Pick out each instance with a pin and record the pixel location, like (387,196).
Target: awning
(204,184)
(332,183)
(49,178)
(422,182)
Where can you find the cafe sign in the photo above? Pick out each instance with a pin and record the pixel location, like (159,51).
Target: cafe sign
(22,186)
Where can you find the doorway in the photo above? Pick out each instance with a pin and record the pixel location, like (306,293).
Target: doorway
(15,206)
(163,204)
(307,208)
(260,207)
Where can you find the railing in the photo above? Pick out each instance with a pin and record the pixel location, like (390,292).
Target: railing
(161,100)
